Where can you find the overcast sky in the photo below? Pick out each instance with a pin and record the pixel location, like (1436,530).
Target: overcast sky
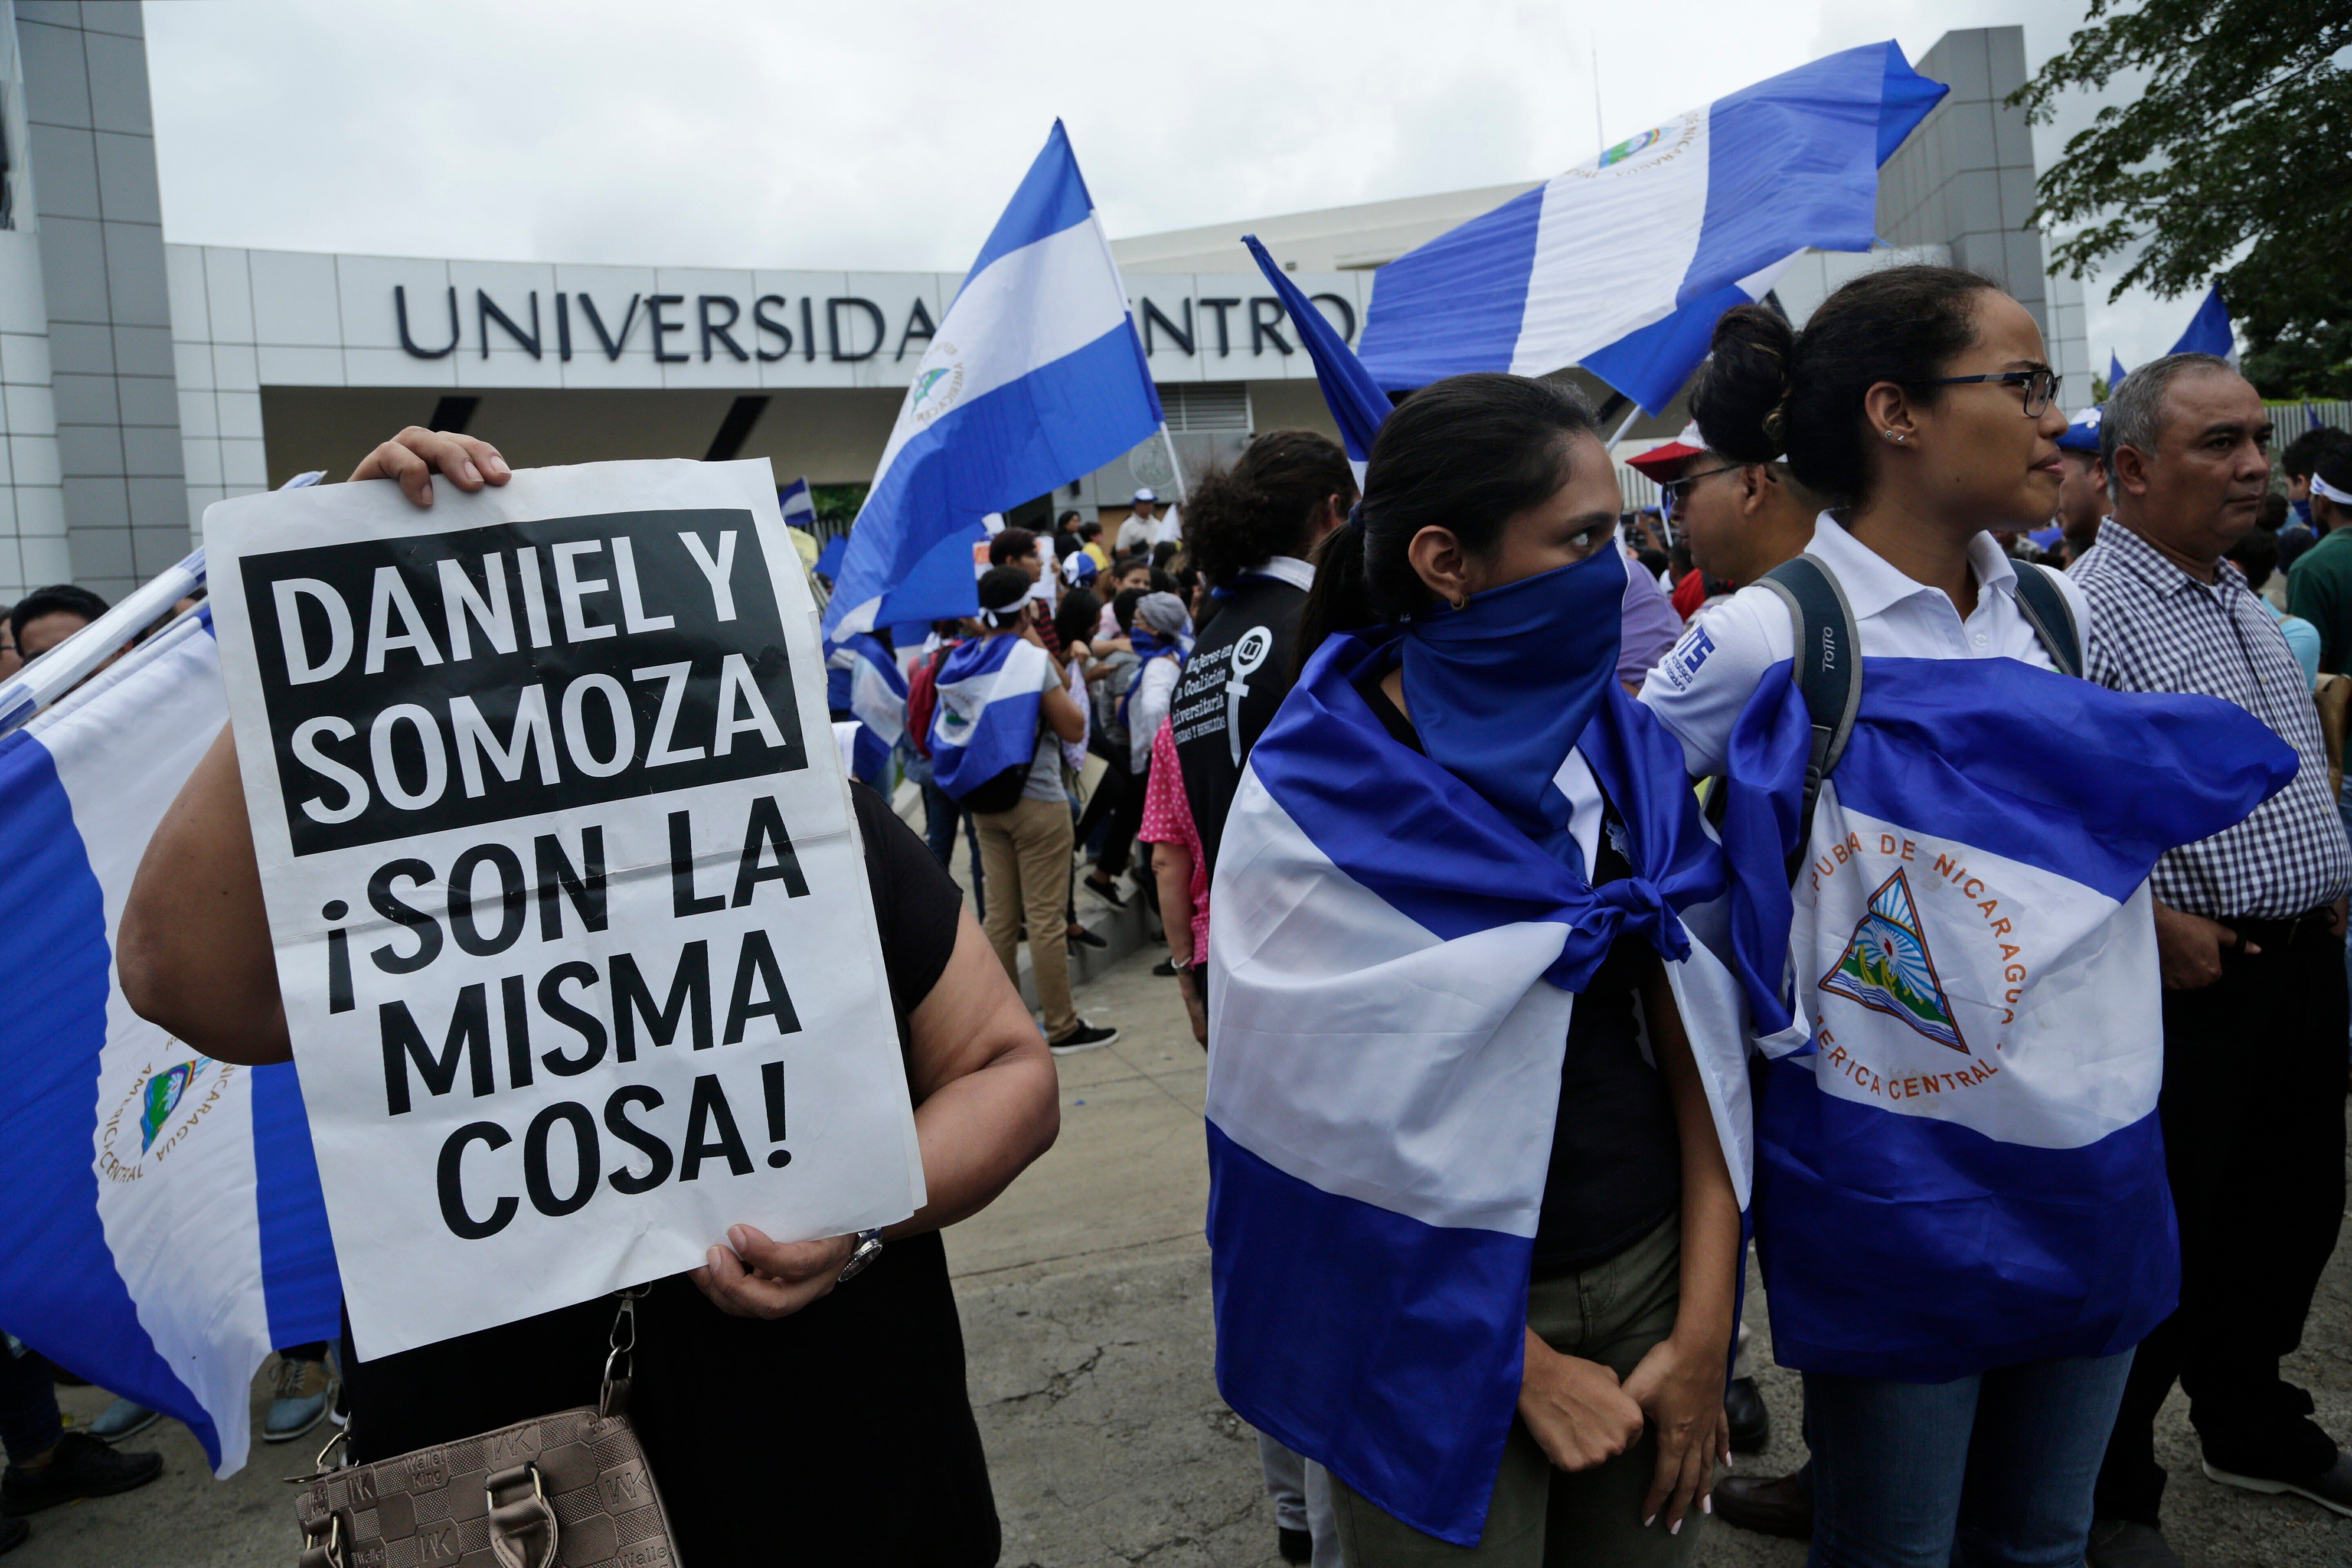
(885,136)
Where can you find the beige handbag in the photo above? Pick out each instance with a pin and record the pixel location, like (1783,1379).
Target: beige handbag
(566,1490)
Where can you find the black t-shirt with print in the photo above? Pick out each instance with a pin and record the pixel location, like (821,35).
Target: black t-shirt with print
(842,1434)
(1243,665)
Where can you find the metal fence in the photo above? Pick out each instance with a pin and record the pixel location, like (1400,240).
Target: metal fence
(2289,420)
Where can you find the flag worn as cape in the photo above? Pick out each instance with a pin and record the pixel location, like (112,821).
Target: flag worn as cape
(1387,1027)
(1963,1169)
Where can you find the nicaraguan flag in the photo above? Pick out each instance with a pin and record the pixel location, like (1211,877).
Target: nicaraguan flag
(164,1228)
(1388,1014)
(2209,330)
(1357,403)
(874,691)
(798,506)
(1035,377)
(2115,372)
(986,722)
(1965,1169)
(1623,263)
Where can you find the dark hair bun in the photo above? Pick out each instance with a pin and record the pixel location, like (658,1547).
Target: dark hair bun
(1743,383)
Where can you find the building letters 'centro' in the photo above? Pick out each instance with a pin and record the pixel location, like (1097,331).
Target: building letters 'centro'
(679,327)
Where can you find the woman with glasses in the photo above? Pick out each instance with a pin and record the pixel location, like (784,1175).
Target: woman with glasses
(1918,402)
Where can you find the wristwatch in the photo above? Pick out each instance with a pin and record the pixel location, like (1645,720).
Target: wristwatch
(868,1248)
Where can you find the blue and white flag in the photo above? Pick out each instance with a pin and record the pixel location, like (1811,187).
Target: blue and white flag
(1623,263)
(798,506)
(1357,403)
(1392,965)
(989,691)
(1959,1165)
(876,693)
(2115,372)
(2209,330)
(164,1228)
(1036,376)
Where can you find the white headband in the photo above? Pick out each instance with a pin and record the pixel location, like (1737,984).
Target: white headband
(2320,487)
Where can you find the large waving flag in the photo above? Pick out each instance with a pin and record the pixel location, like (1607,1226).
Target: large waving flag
(1378,1127)
(1035,377)
(1357,403)
(164,1228)
(1623,263)
(1964,1170)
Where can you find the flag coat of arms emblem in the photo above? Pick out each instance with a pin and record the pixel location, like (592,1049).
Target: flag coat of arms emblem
(1886,966)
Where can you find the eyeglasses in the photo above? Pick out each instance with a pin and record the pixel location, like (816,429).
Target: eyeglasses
(2040,386)
(1673,491)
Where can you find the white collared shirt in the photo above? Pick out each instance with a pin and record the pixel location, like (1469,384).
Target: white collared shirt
(1703,684)
(1287,569)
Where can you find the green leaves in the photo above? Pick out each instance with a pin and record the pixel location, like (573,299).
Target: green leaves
(2234,161)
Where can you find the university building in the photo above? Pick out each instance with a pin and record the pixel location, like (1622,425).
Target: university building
(142,379)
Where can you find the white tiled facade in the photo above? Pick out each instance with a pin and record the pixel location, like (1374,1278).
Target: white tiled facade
(137,377)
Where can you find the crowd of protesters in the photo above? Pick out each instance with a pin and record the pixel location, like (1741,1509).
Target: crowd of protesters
(1911,440)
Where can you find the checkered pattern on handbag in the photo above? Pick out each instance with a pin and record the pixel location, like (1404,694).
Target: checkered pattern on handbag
(2154,627)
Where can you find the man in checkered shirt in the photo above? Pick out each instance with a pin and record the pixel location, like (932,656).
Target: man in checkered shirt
(2249,929)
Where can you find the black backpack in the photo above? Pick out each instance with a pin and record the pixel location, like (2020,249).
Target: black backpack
(1828,666)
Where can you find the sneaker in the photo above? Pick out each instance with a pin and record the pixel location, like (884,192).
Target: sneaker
(1165,969)
(1085,1038)
(305,1391)
(1294,1545)
(1105,889)
(79,1466)
(2331,1489)
(1752,1423)
(2127,1543)
(13,1533)
(120,1420)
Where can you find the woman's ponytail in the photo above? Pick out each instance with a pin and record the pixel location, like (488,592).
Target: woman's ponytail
(1342,598)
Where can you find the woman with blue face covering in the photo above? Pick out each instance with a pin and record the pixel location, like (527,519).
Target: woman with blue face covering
(1474,1234)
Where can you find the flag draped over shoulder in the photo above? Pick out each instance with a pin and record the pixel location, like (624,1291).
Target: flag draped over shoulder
(1623,263)
(989,691)
(164,1228)
(1963,1169)
(1035,377)
(1388,1019)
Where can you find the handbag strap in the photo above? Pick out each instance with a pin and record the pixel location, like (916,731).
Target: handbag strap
(620,1361)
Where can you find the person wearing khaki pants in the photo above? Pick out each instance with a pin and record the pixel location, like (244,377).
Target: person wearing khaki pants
(1026,852)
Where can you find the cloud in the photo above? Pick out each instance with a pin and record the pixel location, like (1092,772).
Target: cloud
(735,132)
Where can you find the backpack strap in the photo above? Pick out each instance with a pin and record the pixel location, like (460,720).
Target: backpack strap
(1827,669)
(2046,609)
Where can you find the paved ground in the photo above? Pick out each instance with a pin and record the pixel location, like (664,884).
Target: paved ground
(1084,1296)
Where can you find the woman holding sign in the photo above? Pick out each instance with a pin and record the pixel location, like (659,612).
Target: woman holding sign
(780,1418)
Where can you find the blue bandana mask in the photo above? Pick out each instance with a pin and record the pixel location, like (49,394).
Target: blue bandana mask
(1501,688)
(2301,511)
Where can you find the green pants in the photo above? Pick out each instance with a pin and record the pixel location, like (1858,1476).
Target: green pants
(1543,1518)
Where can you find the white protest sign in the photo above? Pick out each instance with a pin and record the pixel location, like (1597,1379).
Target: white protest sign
(569,908)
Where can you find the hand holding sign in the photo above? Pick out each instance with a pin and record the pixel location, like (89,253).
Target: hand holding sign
(576,947)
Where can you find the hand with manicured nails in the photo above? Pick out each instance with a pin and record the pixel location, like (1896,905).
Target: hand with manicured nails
(763,1278)
(416,454)
(1574,1408)
(1680,1388)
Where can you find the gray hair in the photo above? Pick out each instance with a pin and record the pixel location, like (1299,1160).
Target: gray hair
(2135,409)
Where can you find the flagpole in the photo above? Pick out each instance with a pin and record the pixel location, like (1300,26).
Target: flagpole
(1630,415)
(1169,442)
(68,665)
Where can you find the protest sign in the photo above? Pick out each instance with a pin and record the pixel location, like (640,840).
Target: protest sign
(569,908)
